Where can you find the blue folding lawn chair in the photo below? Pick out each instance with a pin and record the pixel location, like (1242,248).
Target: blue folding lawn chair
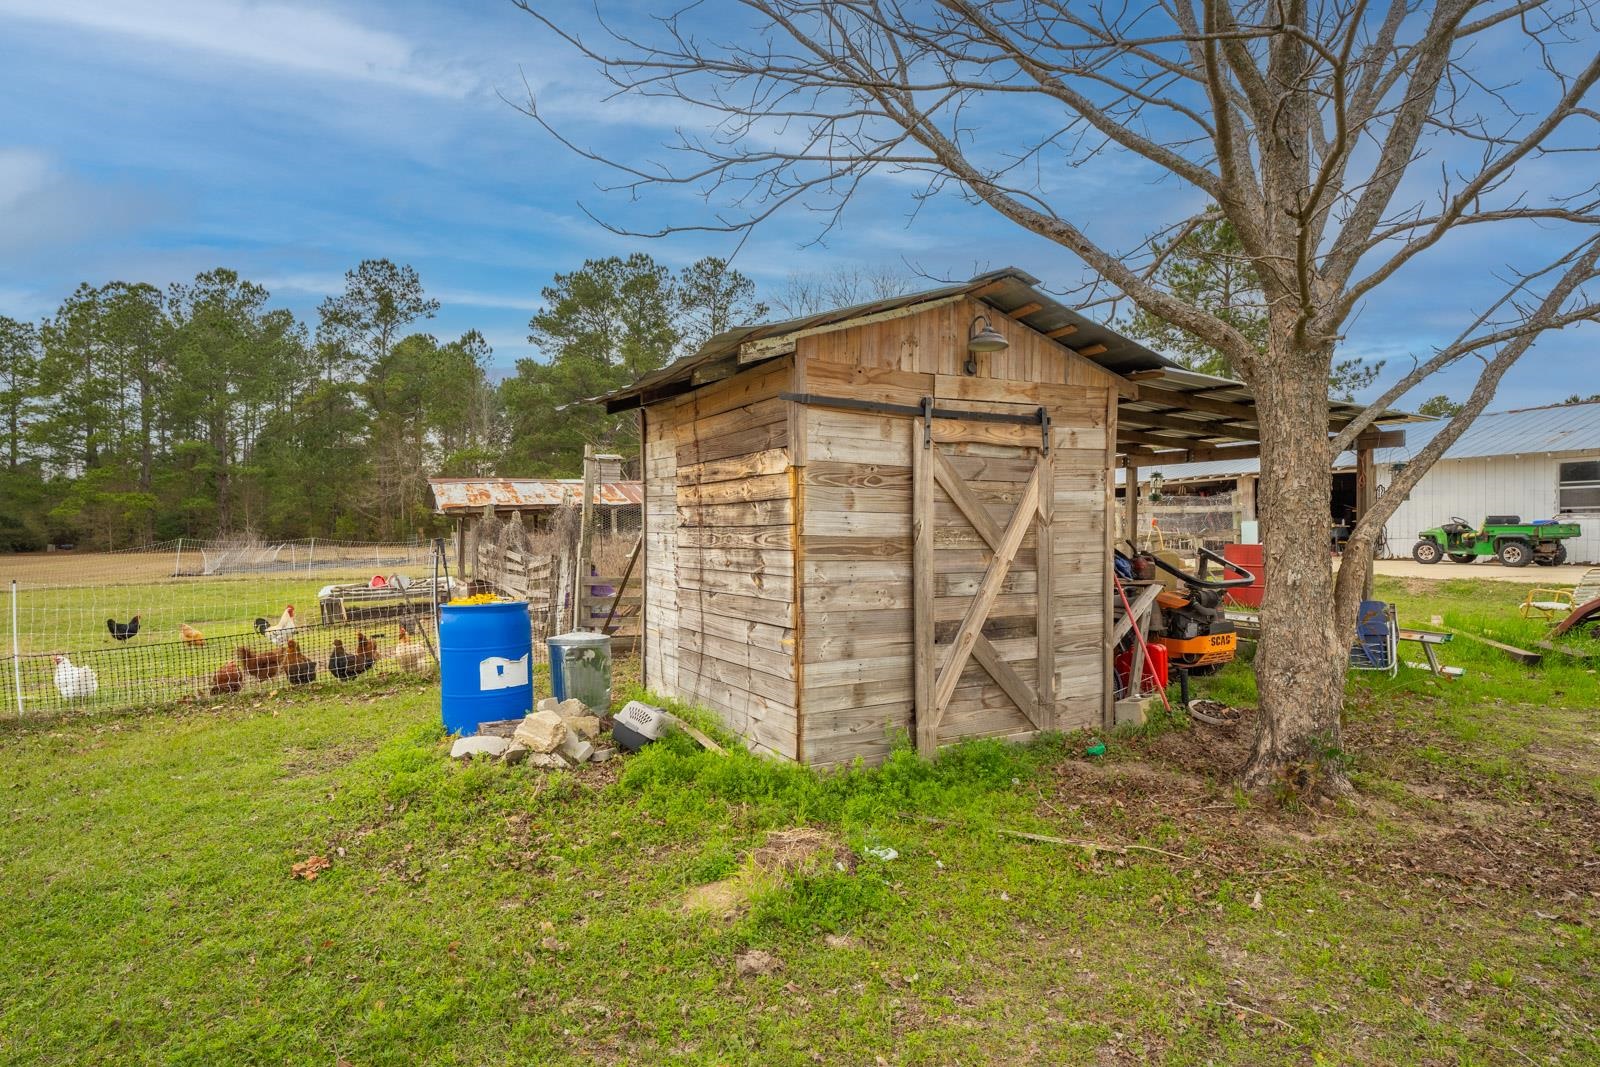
(1376,644)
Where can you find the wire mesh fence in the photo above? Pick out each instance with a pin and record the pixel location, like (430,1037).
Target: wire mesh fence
(121,629)
(164,622)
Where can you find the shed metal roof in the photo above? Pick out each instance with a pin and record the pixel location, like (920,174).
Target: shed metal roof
(1005,290)
(1178,411)
(456,495)
(1524,431)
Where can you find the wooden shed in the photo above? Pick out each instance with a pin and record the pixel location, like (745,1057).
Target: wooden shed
(857,525)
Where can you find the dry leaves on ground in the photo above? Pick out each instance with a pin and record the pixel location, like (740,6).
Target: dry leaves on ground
(310,867)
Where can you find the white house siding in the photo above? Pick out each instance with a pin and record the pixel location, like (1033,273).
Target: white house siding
(1499,485)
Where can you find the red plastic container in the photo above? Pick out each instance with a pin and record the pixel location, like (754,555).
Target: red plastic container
(1253,559)
(1155,667)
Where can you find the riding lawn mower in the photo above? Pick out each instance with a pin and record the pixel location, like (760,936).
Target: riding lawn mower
(1188,618)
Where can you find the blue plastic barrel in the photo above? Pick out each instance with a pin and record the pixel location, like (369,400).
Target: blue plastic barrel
(485,664)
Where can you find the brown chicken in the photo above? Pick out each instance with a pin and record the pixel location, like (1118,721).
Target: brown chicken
(191,637)
(366,653)
(297,666)
(260,665)
(228,679)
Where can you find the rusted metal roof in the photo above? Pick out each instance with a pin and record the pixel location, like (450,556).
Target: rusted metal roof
(452,495)
(1005,290)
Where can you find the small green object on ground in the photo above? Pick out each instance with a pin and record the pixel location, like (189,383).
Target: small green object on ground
(1096,749)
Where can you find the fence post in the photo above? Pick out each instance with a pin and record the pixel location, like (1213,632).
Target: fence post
(585,537)
(177,564)
(16,648)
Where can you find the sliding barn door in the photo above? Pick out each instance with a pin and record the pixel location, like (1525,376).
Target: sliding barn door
(982,557)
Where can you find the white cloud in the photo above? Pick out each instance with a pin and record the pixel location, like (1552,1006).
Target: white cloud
(304,39)
(23,172)
(41,208)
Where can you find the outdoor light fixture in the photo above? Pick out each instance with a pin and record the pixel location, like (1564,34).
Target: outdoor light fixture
(987,339)
(1156,482)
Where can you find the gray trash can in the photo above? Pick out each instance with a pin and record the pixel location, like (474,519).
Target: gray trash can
(580,666)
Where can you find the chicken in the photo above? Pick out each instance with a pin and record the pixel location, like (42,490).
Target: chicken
(299,667)
(341,664)
(260,665)
(191,637)
(366,653)
(409,654)
(228,679)
(74,683)
(284,629)
(261,625)
(345,665)
(121,631)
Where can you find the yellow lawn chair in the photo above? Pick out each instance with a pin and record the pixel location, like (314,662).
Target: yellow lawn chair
(1551,604)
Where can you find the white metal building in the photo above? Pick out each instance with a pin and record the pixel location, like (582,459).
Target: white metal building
(1537,463)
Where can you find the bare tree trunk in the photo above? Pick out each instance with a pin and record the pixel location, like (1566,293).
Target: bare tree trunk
(1301,664)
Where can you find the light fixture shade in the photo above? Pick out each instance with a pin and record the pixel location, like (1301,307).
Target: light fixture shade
(987,339)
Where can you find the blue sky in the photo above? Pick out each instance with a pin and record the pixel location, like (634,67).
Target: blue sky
(152,139)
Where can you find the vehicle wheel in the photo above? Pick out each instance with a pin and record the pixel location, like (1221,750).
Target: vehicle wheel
(1427,552)
(1558,557)
(1462,557)
(1514,553)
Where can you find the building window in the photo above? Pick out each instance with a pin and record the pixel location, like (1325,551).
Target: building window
(1579,486)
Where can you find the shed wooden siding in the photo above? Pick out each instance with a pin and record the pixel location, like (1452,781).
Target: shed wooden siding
(720,554)
(778,535)
(856,589)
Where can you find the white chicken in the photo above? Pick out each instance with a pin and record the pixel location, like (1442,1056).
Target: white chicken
(74,683)
(284,630)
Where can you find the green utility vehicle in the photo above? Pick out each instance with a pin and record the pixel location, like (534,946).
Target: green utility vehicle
(1506,537)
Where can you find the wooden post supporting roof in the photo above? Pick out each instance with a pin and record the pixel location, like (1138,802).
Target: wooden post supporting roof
(1130,502)
(1366,493)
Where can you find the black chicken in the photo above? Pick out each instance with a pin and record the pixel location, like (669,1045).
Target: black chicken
(121,631)
(341,664)
(261,625)
(344,665)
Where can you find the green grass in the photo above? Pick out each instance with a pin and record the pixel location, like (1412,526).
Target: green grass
(490,914)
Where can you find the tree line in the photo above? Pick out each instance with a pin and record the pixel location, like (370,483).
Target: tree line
(136,413)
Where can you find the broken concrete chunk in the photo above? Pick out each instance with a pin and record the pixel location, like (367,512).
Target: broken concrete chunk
(576,748)
(478,745)
(638,724)
(586,726)
(572,707)
(548,704)
(543,731)
(548,761)
(602,754)
(515,754)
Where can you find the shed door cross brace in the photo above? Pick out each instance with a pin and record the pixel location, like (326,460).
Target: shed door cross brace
(934,688)
(926,411)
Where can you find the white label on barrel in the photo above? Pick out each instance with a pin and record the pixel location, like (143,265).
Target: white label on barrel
(497,672)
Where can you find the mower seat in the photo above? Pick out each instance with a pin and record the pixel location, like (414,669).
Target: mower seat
(1456,528)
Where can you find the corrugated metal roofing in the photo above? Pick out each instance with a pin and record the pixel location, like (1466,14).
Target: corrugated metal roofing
(526,494)
(1557,428)
(1005,290)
